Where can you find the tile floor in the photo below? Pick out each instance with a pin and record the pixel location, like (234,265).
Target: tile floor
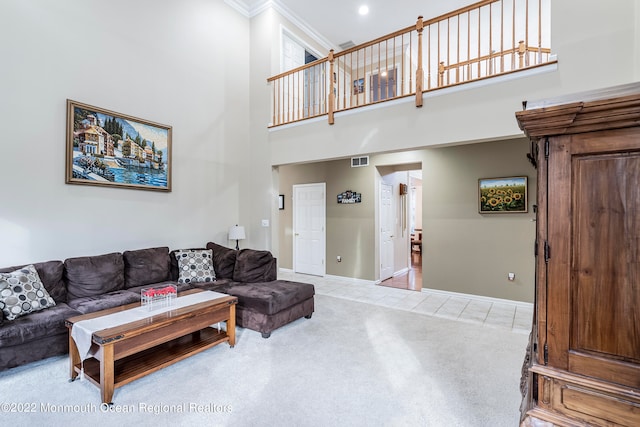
(503,314)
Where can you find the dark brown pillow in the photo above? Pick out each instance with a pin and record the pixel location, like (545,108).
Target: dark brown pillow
(254,266)
(94,275)
(146,266)
(224,260)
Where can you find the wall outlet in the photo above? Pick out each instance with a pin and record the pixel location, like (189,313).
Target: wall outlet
(265,222)
(339,258)
(511,277)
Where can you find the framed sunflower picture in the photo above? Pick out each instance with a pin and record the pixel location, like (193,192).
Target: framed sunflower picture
(502,195)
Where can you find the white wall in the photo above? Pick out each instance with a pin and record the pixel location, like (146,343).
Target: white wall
(258,177)
(183,64)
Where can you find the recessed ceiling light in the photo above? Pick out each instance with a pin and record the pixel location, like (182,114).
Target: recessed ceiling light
(364,9)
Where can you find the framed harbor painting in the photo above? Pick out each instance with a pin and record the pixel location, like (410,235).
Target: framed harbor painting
(105,148)
(502,195)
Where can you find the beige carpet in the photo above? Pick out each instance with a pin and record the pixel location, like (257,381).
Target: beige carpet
(352,364)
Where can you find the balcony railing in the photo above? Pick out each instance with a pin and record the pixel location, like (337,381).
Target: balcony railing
(483,40)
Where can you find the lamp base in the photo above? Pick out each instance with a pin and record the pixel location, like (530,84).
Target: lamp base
(237,245)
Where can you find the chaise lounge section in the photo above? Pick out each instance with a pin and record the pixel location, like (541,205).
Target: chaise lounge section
(264,303)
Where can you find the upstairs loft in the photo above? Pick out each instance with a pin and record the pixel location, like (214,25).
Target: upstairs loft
(485,40)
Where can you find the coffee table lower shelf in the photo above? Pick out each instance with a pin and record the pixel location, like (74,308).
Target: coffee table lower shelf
(145,362)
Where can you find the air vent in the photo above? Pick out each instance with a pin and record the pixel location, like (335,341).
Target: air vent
(347,45)
(357,162)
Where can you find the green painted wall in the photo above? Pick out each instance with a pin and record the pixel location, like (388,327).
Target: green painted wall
(464,251)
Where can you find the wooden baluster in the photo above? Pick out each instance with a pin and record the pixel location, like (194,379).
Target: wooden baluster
(502,37)
(332,96)
(513,34)
(521,50)
(441,74)
(273,97)
(458,51)
(410,61)
(429,57)
(539,32)
(420,70)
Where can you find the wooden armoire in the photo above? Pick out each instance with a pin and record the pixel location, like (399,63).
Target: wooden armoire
(583,365)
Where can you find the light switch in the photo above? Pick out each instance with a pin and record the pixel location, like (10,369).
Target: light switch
(265,222)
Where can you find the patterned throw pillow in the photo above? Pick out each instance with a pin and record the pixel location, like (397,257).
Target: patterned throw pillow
(195,265)
(22,292)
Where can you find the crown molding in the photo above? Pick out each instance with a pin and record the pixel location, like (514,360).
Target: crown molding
(250,11)
(239,6)
(302,25)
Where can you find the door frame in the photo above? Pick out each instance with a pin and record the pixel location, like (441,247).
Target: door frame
(323,185)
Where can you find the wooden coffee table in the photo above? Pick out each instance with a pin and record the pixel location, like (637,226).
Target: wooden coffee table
(132,350)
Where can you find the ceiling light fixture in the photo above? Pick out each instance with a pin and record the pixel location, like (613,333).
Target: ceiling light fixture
(364,9)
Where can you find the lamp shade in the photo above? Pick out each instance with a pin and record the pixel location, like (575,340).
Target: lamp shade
(236,232)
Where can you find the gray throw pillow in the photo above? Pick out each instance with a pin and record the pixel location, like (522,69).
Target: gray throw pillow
(22,292)
(195,265)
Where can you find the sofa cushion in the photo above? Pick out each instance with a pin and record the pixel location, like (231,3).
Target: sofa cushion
(272,297)
(195,265)
(145,266)
(37,325)
(22,292)
(94,275)
(254,266)
(224,260)
(50,273)
(102,302)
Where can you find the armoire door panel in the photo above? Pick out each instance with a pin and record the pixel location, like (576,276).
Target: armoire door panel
(605,262)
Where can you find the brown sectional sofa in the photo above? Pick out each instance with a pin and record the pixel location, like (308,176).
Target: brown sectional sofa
(87,284)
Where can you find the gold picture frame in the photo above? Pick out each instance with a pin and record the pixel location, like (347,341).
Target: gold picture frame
(503,195)
(110,149)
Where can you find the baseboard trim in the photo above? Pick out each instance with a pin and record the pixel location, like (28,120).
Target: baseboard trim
(479,297)
(330,276)
(352,280)
(435,291)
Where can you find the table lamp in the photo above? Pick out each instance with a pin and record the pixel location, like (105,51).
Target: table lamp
(236,233)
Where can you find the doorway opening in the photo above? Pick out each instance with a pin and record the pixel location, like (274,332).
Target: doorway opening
(400,226)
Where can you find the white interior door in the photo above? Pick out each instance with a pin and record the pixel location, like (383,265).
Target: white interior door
(386,231)
(309,218)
